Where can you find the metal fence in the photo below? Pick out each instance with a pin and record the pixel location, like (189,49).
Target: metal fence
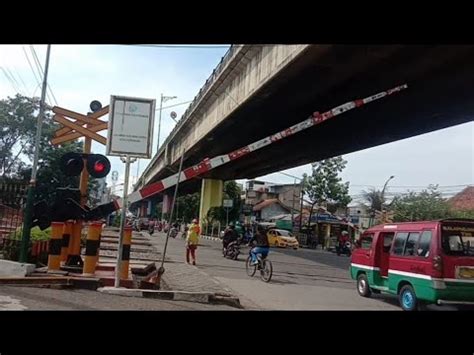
(12,203)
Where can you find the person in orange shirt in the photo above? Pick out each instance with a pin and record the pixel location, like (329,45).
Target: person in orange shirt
(192,240)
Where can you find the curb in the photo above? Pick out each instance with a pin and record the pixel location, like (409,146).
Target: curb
(215,239)
(211,238)
(198,297)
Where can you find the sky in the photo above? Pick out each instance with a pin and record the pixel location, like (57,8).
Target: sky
(79,74)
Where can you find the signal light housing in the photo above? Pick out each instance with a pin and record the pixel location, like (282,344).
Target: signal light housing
(72,164)
(97,165)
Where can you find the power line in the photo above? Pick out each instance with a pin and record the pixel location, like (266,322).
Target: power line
(415,186)
(182,103)
(42,73)
(292,176)
(31,67)
(13,77)
(10,80)
(21,79)
(362,197)
(180,46)
(38,66)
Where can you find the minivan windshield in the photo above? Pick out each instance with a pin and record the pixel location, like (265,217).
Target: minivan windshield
(458,240)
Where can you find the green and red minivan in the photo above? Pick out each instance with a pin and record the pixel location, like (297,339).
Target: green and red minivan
(421,262)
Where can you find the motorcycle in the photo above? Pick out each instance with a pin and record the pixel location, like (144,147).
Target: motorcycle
(173,232)
(233,249)
(345,249)
(184,233)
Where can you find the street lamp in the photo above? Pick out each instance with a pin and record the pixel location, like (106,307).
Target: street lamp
(383,190)
(162,99)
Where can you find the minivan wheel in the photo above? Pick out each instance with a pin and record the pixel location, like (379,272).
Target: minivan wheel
(407,298)
(363,286)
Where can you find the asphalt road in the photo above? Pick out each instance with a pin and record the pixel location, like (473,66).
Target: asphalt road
(303,279)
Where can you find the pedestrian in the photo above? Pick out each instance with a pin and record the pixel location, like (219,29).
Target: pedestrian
(151,226)
(192,240)
(322,240)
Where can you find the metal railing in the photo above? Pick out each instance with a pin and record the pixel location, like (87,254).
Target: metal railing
(12,202)
(202,92)
(195,102)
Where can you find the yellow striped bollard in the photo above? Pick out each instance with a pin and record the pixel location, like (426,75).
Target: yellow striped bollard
(92,247)
(55,244)
(127,241)
(66,241)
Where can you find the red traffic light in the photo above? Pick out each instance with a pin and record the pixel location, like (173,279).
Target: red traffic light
(98,165)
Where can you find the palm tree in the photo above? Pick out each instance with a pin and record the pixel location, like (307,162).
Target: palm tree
(375,200)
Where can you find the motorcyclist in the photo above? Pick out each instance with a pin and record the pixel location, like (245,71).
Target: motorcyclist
(230,235)
(343,239)
(239,229)
(174,230)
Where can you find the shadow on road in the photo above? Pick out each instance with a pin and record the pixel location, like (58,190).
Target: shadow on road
(280,282)
(320,256)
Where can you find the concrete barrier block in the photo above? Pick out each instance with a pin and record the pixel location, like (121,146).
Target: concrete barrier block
(13,268)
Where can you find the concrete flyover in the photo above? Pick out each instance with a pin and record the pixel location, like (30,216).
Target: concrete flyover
(258,90)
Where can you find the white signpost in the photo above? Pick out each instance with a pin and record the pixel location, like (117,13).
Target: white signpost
(228,205)
(130,135)
(131,122)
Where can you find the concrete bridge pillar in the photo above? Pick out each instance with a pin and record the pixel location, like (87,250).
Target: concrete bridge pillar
(211,196)
(167,199)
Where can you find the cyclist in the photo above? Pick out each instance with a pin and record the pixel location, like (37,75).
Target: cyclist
(262,246)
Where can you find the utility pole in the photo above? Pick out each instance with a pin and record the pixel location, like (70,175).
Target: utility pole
(301,206)
(25,239)
(162,99)
(159,124)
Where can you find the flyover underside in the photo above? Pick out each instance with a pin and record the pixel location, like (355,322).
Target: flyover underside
(440,85)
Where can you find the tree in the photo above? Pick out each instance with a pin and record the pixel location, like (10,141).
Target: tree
(232,191)
(188,206)
(426,205)
(375,200)
(18,118)
(17,133)
(324,186)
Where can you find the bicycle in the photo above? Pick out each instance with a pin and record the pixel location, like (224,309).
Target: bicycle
(264,265)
